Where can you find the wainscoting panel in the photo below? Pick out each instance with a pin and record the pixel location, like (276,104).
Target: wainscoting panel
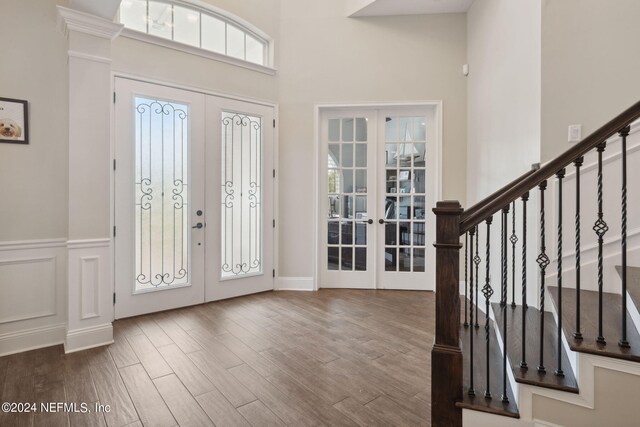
(90,294)
(32,294)
(612,183)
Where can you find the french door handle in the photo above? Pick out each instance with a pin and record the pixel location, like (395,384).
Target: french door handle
(198,225)
(368,221)
(381,221)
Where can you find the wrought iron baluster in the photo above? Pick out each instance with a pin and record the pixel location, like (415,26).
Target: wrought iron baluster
(472,391)
(505,219)
(560,175)
(513,239)
(543,262)
(623,238)
(600,227)
(578,163)
(476,261)
(487,291)
(503,258)
(466,276)
(523,362)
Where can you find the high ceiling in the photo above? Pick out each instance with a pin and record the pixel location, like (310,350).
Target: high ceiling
(407,7)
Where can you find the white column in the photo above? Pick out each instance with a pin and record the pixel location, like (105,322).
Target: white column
(90,263)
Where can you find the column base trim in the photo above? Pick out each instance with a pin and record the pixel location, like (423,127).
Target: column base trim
(85,338)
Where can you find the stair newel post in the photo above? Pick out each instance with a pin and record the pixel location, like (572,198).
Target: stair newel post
(487,291)
(513,239)
(560,175)
(543,262)
(476,261)
(600,227)
(505,220)
(466,276)
(472,390)
(523,362)
(623,237)
(446,355)
(578,163)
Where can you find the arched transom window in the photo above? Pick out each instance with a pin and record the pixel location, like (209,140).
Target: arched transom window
(196,25)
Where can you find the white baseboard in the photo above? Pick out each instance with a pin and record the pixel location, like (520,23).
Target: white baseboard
(31,339)
(85,338)
(294,284)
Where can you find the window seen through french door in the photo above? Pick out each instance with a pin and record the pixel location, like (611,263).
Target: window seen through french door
(193,198)
(377,184)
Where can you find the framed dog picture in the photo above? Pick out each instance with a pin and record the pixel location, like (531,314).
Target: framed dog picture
(14,126)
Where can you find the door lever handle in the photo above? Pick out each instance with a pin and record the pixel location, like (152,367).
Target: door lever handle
(198,225)
(381,221)
(366,221)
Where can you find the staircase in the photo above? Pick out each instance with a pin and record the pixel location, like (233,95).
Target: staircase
(535,291)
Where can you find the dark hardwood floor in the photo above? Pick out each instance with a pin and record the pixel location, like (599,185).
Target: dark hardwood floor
(333,357)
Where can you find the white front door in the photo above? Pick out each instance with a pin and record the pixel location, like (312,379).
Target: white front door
(377,182)
(193,198)
(240,180)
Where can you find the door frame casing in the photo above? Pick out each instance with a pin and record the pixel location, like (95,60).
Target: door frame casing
(112,149)
(318,110)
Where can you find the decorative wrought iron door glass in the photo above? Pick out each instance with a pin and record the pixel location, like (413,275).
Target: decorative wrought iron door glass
(241,236)
(162,194)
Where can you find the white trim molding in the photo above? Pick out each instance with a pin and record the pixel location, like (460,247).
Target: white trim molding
(294,284)
(82,22)
(31,339)
(90,337)
(32,244)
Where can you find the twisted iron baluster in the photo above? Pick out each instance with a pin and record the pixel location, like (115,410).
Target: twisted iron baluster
(600,227)
(505,219)
(472,391)
(578,163)
(513,239)
(523,362)
(466,276)
(543,262)
(560,175)
(503,258)
(487,291)
(623,134)
(476,261)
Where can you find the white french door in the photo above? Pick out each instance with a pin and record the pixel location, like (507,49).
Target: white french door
(377,183)
(193,198)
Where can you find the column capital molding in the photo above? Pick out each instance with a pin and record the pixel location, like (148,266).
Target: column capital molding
(82,22)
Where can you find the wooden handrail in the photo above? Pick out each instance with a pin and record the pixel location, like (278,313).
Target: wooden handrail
(470,211)
(503,197)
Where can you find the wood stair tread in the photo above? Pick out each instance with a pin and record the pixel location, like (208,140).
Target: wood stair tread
(478,402)
(531,375)
(611,308)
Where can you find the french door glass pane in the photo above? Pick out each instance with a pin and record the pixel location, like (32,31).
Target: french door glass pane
(405,199)
(161,194)
(347,188)
(241,237)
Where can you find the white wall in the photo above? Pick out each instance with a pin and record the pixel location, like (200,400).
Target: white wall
(33,193)
(590,66)
(34,186)
(328,58)
(503,45)
(503,119)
